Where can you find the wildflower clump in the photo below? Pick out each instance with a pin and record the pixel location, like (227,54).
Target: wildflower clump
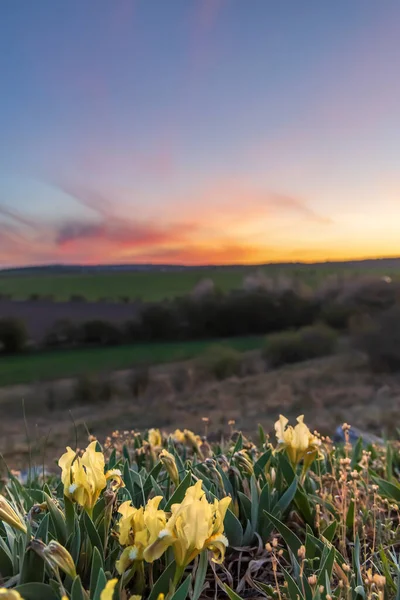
(172,517)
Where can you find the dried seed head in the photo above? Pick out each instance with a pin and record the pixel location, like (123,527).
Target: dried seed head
(301,552)
(312,580)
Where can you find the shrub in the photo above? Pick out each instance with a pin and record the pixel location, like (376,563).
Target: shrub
(380,340)
(98,332)
(93,389)
(62,334)
(13,335)
(138,380)
(221,361)
(86,390)
(77,298)
(294,346)
(337,315)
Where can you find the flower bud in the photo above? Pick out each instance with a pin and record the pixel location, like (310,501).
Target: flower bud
(8,515)
(168,460)
(58,556)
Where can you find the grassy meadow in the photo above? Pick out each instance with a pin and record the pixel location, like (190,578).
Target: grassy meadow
(155,285)
(47,366)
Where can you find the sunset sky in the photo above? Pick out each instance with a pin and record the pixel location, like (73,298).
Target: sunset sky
(199,131)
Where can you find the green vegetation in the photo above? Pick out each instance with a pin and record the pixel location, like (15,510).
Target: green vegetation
(156,285)
(148,286)
(166,516)
(28,368)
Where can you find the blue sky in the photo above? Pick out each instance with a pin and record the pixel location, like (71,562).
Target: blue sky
(199,131)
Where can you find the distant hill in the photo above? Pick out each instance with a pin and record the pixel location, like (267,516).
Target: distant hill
(372,263)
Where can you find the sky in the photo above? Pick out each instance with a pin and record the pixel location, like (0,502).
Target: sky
(199,131)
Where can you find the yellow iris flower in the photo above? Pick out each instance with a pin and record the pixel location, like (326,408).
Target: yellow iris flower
(299,443)
(138,528)
(8,515)
(155,437)
(83,477)
(195,525)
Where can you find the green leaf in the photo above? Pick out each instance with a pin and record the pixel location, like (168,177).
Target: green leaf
(77,592)
(330,531)
(161,586)
(356,563)
(101,584)
(148,485)
(112,461)
(92,533)
(32,568)
(232,595)
(387,489)
(69,515)
(183,590)
(128,480)
(261,434)
(36,591)
(357,452)
(42,531)
(239,444)
(254,502)
(268,589)
(326,568)
(233,529)
(180,492)
(200,576)
(97,564)
(57,519)
(291,539)
(248,535)
(286,498)
(245,504)
(259,465)
(350,515)
(293,588)
(6,563)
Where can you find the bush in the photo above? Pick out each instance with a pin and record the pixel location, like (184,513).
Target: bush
(13,335)
(63,334)
(222,362)
(337,315)
(138,380)
(98,332)
(295,346)
(86,390)
(380,340)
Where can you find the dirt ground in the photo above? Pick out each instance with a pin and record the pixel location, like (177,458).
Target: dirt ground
(328,391)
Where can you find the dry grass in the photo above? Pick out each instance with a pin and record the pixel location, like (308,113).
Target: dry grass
(328,391)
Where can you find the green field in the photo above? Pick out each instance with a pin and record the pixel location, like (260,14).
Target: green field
(46,366)
(148,285)
(156,285)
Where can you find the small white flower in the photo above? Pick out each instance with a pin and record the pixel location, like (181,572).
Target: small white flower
(72,488)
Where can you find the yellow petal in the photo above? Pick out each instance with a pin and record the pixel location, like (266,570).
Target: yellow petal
(6,594)
(8,515)
(159,546)
(218,544)
(155,438)
(280,426)
(108,592)
(128,556)
(58,556)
